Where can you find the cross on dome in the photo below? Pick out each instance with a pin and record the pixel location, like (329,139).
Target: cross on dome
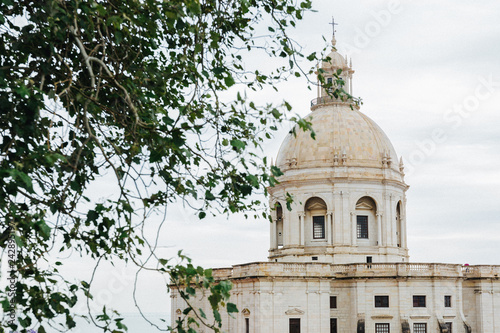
(334,41)
(333,26)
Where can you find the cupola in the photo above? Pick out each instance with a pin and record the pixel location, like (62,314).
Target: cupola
(347,184)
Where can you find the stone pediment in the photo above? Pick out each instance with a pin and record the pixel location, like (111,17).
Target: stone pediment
(178,311)
(245,312)
(364,205)
(315,204)
(294,312)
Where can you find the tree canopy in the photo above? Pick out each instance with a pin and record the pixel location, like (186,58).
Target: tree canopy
(148,92)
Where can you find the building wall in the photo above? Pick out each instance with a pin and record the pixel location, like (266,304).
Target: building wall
(269,294)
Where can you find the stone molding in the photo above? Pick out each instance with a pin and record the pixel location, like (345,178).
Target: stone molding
(382,317)
(294,312)
(359,270)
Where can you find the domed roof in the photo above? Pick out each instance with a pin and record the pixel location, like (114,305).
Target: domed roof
(344,137)
(335,59)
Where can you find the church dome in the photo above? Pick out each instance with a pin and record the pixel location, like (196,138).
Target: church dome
(344,137)
(334,59)
(347,144)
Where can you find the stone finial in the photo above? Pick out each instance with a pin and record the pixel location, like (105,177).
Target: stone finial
(336,158)
(401,165)
(344,157)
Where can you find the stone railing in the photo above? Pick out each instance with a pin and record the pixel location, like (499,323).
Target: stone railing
(327,100)
(263,269)
(479,271)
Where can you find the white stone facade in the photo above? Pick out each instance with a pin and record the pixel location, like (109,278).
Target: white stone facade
(269,294)
(338,258)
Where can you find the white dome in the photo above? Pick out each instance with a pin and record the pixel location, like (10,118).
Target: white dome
(344,137)
(336,60)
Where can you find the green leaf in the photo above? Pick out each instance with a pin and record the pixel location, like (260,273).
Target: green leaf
(209,196)
(239,145)
(231,308)
(229,81)
(23,179)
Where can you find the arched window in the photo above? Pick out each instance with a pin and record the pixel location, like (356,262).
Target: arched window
(316,214)
(366,221)
(279,224)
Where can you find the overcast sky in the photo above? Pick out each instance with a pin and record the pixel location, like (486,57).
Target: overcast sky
(429,75)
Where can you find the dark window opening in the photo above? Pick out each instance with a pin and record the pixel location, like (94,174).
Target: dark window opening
(333,302)
(247,325)
(419,328)
(314,258)
(382,328)
(333,325)
(447,301)
(369,260)
(449,327)
(419,301)
(294,325)
(329,82)
(362,226)
(318,227)
(381,301)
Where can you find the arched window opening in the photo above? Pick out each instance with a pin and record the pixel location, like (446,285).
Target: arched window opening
(398,224)
(316,216)
(279,225)
(366,221)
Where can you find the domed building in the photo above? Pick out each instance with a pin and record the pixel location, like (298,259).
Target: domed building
(338,259)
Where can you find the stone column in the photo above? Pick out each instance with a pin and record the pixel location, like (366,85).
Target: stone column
(389,223)
(337,220)
(273,234)
(346,227)
(403,224)
(329,228)
(379,229)
(302,216)
(290,227)
(353,229)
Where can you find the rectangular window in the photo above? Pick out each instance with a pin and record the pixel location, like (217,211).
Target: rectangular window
(449,327)
(333,302)
(419,301)
(333,325)
(447,301)
(419,328)
(382,328)
(247,325)
(381,301)
(318,227)
(294,325)
(362,226)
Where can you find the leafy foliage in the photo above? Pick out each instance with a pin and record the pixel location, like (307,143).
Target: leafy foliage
(145,92)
